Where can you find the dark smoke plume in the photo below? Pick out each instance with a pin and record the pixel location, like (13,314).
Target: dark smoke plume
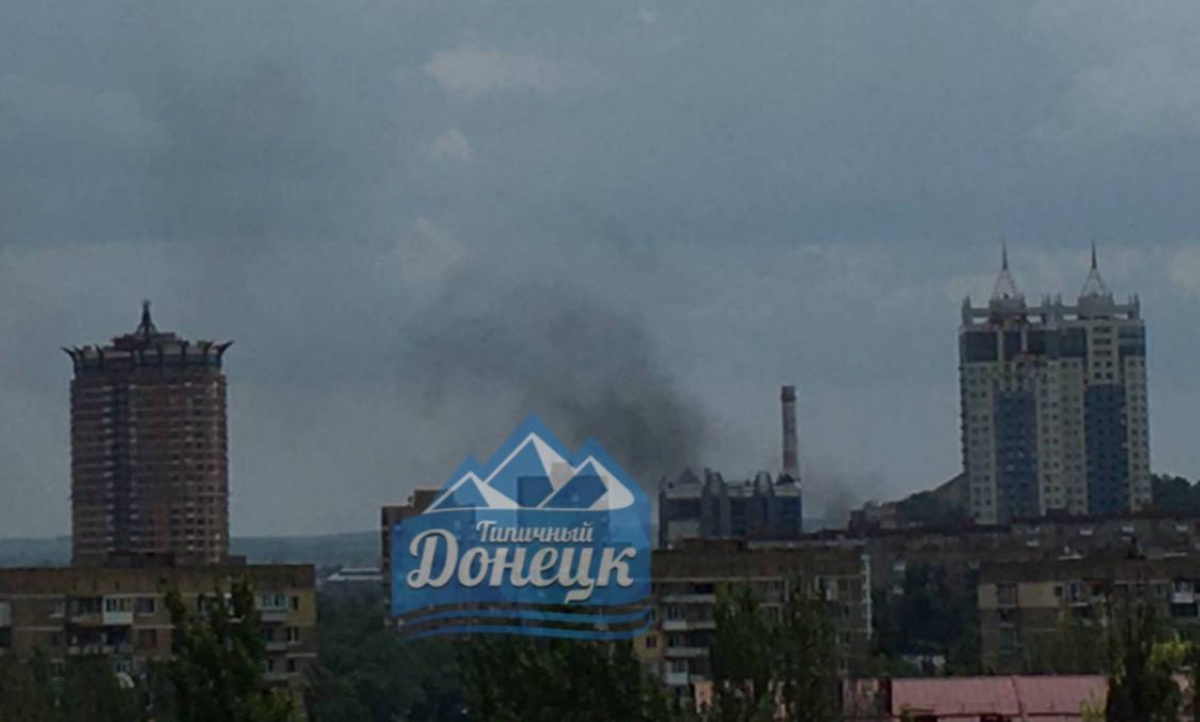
(554,350)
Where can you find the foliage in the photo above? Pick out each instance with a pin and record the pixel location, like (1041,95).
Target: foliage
(1077,647)
(930,509)
(1142,687)
(85,691)
(514,679)
(216,671)
(366,674)
(1175,494)
(936,615)
(761,662)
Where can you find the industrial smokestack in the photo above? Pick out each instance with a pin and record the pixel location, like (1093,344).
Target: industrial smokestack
(791,456)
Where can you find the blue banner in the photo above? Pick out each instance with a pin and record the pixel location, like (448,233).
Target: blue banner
(536,541)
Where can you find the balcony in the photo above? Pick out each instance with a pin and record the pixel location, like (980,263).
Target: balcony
(689,598)
(86,649)
(676,679)
(87,619)
(117,619)
(688,625)
(685,652)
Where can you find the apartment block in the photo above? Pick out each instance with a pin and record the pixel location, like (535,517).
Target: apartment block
(712,508)
(119,613)
(1023,605)
(389,517)
(149,448)
(1054,403)
(689,579)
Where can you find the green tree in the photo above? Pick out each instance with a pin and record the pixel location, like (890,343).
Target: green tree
(91,692)
(1175,494)
(935,615)
(1078,646)
(1145,657)
(85,690)
(514,679)
(217,669)
(1190,639)
(742,658)
(762,662)
(26,692)
(366,673)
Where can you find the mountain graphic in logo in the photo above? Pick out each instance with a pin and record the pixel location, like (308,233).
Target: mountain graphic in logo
(533,470)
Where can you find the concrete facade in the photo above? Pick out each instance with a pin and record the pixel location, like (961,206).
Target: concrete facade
(120,614)
(689,579)
(761,508)
(149,448)
(1054,404)
(1023,605)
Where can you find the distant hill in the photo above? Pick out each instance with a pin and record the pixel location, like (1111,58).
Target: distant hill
(35,552)
(359,549)
(325,550)
(944,505)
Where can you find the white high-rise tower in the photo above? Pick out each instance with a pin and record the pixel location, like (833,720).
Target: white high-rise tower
(1054,403)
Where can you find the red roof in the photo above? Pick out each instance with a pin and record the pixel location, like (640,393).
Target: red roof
(1022,699)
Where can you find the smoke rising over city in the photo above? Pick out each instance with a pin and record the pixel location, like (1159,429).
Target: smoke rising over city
(421,221)
(550,349)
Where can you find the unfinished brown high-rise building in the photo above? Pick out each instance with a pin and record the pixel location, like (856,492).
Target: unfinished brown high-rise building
(149,461)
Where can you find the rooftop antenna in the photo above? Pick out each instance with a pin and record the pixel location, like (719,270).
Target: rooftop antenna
(146,327)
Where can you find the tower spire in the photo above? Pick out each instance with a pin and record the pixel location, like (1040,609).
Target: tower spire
(146,327)
(1006,290)
(1094,285)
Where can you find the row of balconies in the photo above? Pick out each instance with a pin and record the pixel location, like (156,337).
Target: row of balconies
(687,625)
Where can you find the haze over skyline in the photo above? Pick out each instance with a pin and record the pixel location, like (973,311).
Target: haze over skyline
(419,221)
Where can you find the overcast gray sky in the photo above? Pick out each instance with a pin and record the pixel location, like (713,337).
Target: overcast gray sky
(420,219)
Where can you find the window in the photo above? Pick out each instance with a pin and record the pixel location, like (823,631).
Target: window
(651,641)
(86,605)
(1009,641)
(147,638)
(1006,595)
(273,602)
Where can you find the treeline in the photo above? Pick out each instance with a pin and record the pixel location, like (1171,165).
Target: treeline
(1175,494)
(760,663)
(766,664)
